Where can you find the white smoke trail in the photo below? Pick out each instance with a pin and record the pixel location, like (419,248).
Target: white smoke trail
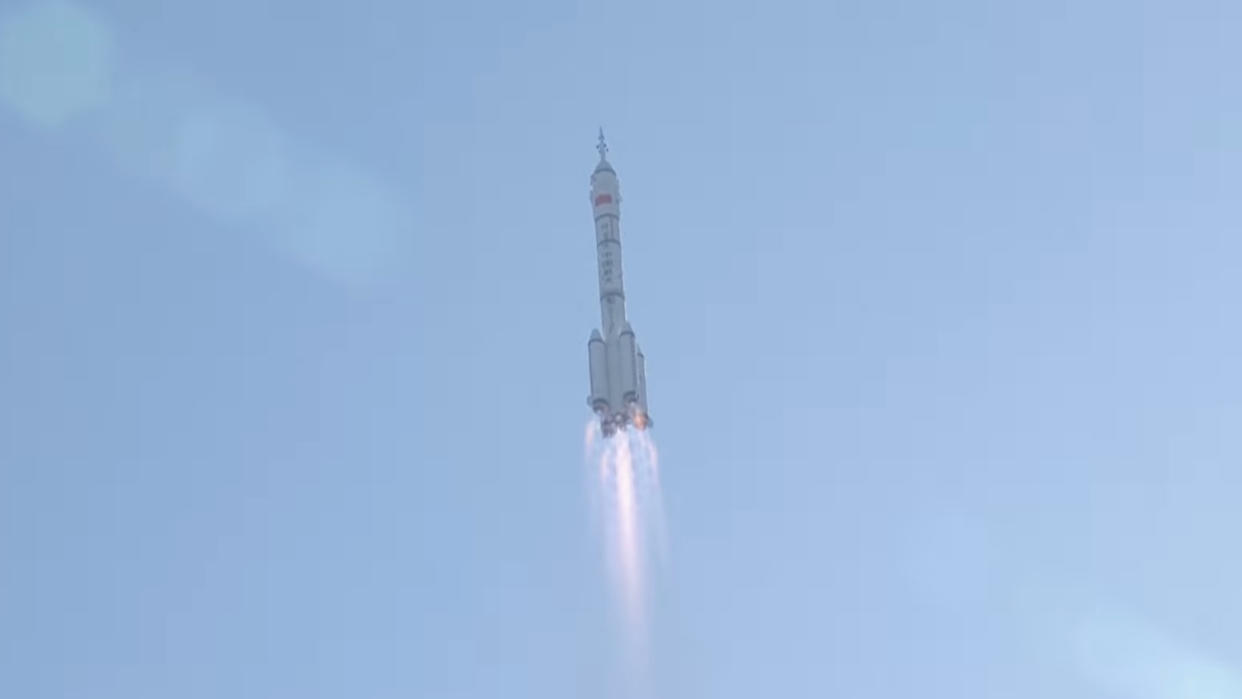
(634,536)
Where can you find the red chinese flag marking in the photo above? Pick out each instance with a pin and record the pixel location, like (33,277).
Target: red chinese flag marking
(603,199)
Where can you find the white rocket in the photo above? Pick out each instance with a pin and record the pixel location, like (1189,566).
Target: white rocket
(618,372)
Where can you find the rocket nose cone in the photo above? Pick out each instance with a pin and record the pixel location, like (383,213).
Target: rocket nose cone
(595,336)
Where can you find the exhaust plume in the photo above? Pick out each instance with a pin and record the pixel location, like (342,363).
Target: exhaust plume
(634,539)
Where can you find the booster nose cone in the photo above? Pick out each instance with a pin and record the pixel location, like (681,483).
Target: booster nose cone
(627,329)
(595,336)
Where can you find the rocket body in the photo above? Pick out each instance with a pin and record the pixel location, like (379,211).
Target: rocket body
(616,365)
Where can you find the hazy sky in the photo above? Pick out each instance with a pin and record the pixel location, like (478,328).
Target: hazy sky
(939,302)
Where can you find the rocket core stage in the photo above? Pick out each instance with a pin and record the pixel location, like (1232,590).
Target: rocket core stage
(617,367)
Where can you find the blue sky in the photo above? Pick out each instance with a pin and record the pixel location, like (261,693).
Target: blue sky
(939,303)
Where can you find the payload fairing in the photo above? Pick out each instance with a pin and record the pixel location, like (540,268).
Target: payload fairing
(617,368)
